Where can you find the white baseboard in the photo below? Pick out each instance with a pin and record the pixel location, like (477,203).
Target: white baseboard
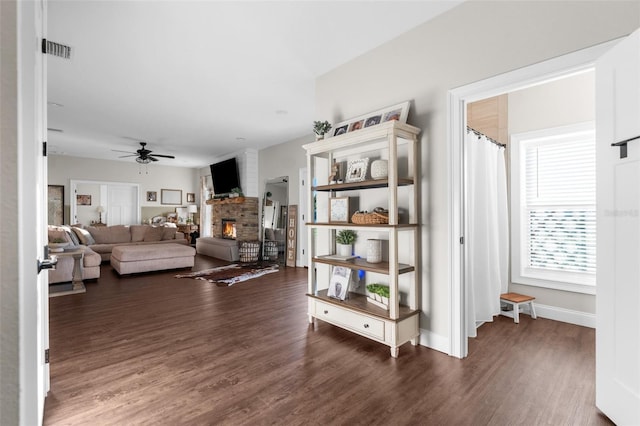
(434,341)
(584,319)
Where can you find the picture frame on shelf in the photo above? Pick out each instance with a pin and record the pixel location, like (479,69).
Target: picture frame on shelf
(357,170)
(152,196)
(339,284)
(398,112)
(339,209)
(191,197)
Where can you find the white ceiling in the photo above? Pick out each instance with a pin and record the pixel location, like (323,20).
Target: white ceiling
(199,80)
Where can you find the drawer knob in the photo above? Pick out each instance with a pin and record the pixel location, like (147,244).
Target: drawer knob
(326,312)
(366,326)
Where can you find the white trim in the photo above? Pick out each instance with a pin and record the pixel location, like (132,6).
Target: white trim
(552,69)
(583,319)
(434,341)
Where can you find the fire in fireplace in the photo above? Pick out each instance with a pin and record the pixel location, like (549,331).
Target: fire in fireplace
(229,229)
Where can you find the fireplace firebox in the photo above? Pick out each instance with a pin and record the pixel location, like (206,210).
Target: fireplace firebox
(229,229)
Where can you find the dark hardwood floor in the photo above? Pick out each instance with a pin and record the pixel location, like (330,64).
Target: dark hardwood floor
(153,349)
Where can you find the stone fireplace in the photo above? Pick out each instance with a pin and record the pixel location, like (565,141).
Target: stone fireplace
(242,210)
(229,229)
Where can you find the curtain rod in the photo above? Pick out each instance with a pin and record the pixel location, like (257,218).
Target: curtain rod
(479,134)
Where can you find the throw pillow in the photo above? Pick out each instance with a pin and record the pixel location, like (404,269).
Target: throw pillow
(84,236)
(72,235)
(169,233)
(58,236)
(137,232)
(153,233)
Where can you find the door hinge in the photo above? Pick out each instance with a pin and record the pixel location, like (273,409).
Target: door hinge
(461,240)
(46,356)
(44,148)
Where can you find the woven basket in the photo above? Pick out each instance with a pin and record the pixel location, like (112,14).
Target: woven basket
(373,218)
(249,251)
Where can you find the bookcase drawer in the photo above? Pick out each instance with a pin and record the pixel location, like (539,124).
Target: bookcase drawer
(354,321)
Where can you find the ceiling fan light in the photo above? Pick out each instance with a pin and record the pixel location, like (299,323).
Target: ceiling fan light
(145,160)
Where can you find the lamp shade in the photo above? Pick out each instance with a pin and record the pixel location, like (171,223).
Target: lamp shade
(100,209)
(192,208)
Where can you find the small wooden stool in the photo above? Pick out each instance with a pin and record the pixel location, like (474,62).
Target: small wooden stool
(515,300)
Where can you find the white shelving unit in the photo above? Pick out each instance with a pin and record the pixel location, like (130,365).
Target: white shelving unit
(397,143)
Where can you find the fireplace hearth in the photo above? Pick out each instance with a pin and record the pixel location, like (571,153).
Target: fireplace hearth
(229,229)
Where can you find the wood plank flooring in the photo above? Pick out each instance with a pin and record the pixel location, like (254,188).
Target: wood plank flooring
(153,349)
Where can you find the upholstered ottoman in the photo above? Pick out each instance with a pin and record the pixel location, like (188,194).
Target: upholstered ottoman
(151,257)
(220,248)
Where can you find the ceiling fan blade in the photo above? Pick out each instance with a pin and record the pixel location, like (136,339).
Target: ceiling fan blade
(150,157)
(125,156)
(128,152)
(163,156)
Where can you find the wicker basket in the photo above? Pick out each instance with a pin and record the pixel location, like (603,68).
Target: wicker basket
(249,251)
(373,218)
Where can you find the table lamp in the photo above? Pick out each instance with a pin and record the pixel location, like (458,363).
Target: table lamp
(100,210)
(191,209)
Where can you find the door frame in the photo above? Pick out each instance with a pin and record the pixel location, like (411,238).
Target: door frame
(542,72)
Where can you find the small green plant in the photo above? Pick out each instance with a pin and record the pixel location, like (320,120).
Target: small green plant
(346,236)
(321,127)
(379,289)
(238,191)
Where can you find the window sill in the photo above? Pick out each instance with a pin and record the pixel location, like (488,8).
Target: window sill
(555,285)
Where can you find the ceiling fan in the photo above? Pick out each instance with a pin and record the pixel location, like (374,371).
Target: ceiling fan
(143,155)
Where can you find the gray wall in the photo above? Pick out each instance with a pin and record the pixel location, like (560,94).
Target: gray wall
(472,42)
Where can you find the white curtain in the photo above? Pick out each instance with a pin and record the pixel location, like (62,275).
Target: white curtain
(487,236)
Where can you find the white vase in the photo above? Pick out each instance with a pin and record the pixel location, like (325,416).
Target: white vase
(374,251)
(344,249)
(379,169)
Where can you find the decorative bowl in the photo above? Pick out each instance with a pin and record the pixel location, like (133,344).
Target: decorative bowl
(57,247)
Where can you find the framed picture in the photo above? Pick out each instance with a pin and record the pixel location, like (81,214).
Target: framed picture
(357,170)
(397,112)
(339,284)
(191,197)
(339,210)
(83,200)
(152,196)
(55,204)
(171,196)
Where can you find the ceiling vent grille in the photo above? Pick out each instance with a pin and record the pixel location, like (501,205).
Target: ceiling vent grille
(56,49)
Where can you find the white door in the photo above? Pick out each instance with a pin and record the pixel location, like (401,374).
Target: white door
(122,205)
(618,230)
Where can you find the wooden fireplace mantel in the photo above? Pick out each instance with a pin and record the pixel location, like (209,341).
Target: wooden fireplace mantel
(236,200)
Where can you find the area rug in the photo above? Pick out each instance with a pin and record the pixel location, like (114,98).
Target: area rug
(225,276)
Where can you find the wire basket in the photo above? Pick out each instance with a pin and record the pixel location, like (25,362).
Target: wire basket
(373,218)
(249,251)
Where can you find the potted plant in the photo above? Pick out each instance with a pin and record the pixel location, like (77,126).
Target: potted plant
(344,242)
(320,128)
(236,192)
(378,294)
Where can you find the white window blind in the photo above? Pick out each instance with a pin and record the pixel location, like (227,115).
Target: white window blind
(555,206)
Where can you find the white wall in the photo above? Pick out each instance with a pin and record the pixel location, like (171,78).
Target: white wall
(154,177)
(285,159)
(472,42)
(558,103)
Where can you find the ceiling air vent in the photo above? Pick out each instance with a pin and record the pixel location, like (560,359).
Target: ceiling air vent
(56,49)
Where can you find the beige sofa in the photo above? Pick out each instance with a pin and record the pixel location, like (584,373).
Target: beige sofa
(98,242)
(103,239)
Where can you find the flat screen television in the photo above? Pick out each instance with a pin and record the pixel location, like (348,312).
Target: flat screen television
(225,176)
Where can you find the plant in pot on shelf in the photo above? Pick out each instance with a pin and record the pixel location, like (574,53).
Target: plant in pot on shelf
(378,294)
(320,128)
(344,242)
(236,192)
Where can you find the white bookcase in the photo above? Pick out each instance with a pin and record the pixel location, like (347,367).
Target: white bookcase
(398,144)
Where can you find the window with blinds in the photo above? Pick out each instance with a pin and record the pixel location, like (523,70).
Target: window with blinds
(556,208)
